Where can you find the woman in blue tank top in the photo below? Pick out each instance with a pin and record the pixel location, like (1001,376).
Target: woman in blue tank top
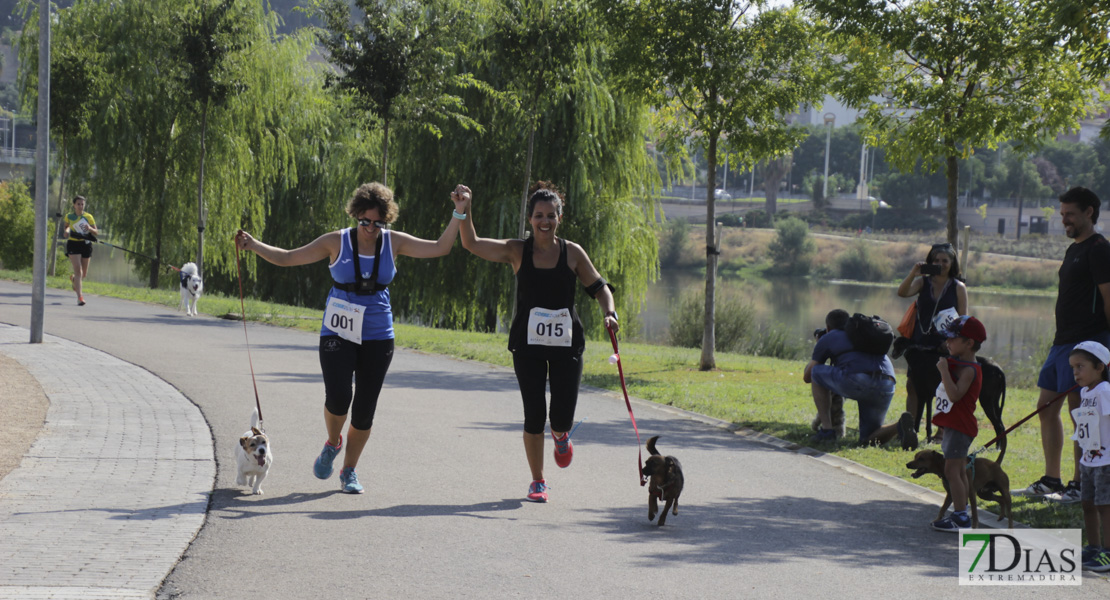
(546,336)
(356,336)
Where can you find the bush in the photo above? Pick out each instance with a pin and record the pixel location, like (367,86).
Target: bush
(792,249)
(675,236)
(731,220)
(893,219)
(863,263)
(757,217)
(733,322)
(17,222)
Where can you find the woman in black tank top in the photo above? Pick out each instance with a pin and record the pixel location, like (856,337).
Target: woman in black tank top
(546,336)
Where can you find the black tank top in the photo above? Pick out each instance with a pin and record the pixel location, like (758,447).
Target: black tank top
(545,289)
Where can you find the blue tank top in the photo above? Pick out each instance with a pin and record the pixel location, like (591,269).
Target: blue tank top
(377,322)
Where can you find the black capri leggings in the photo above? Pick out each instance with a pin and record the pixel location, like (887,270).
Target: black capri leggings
(532,374)
(369,362)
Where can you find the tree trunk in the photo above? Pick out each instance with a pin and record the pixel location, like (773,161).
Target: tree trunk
(385,152)
(200,192)
(709,335)
(952,172)
(773,172)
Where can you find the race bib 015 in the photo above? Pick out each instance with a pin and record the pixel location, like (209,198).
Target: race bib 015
(548,327)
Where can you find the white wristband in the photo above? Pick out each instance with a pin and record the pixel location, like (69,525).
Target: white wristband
(458,215)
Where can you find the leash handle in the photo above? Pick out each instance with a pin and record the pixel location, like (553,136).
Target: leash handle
(1031,415)
(242,306)
(628,403)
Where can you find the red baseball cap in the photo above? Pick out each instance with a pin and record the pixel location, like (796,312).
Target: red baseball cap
(968,327)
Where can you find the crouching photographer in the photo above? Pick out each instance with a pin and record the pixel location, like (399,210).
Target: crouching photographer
(859,374)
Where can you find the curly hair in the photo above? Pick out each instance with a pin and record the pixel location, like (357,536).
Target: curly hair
(370,196)
(545,191)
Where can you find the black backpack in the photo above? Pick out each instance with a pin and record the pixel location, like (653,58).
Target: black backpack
(870,335)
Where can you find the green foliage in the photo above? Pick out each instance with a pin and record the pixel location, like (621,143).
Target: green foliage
(793,249)
(676,234)
(757,217)
(938,78)
(892,219)
(735,322)
(17,221)
(864,262)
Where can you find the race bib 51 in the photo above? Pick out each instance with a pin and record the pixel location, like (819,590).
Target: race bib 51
(1086,428)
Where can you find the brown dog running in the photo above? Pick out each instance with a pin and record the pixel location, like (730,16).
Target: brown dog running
(666,481)
(989,482)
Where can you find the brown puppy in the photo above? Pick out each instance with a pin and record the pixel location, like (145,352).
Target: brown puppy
(989,482)
(666,481)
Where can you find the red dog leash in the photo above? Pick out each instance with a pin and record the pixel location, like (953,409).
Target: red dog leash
(1031,415)
(628,403)
(242,306)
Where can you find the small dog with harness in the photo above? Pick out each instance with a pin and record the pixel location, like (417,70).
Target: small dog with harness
(665,482)
(253,456)
(191,289)
(988,481)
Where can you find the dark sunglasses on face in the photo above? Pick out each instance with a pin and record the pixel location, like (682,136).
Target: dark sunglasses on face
(368,222)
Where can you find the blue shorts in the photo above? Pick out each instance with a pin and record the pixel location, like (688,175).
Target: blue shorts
(873,393)
(1056,375)
(955,444)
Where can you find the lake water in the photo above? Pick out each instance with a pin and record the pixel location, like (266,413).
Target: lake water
(1018,326)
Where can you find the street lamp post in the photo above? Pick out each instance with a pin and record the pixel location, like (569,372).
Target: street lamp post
(830,121)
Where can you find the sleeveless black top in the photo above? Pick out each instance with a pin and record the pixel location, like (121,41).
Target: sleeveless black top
(545,288)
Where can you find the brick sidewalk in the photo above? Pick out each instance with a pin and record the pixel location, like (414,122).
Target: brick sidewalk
(115,487)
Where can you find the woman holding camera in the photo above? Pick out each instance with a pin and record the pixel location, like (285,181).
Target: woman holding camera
(941,296)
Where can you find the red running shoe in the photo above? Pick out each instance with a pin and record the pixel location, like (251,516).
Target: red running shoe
(564,450)
(537,491)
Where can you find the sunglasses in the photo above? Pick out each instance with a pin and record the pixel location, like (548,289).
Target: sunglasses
(368,222)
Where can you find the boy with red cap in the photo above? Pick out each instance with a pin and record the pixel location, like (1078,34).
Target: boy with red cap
(961,380)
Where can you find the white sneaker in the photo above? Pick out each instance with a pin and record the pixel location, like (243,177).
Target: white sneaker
(1041,487)
(1070,495)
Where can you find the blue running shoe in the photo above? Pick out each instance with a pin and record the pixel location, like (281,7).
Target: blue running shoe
(323,468)
(348,481)
(953,523)
(1090,552)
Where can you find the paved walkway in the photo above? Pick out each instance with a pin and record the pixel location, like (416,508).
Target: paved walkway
(114,488)
(120,496)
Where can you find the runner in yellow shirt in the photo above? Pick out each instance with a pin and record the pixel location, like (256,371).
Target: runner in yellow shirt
(80,232)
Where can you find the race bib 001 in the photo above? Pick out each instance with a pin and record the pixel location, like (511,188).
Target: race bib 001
(944,404)
(345,319)
(1086,428)
(547,327)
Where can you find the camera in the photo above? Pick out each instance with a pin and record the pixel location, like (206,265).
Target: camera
(930,269)
(818,333)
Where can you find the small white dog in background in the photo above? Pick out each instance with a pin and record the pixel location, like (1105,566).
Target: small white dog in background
(253,456)
(191,288)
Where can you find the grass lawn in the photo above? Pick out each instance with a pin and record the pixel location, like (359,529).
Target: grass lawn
(764,394)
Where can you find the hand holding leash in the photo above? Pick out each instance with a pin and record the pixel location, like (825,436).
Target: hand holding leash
(616,358)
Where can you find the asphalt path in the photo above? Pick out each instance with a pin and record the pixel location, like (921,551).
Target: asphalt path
(444,514)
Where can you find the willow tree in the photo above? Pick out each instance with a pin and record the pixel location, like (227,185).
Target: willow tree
(589,140)
(936,79)
(719,69)
(213,39)
(393,60)
(143,150)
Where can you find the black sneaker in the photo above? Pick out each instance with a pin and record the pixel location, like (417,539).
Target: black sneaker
(907,434)
(823,436)
(1070,495)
